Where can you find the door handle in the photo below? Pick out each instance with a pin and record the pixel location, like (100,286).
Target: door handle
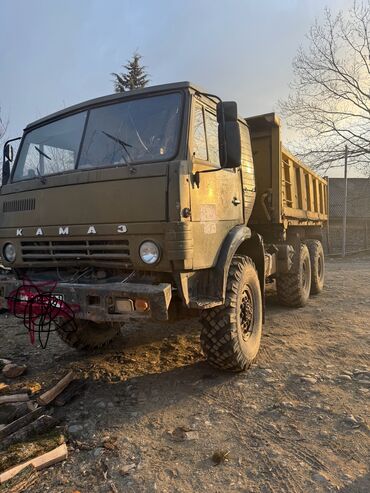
(235,201)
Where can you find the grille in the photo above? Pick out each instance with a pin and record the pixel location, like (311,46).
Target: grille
(19,205)
(69,250)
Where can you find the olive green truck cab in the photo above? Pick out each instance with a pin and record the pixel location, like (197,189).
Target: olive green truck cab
(161,200)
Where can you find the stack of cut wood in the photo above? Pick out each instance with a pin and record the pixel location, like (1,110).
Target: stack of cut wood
(29,440)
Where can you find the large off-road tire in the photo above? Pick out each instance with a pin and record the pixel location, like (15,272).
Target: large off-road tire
(293,288)
(84,334)
(231,333)
(317,265)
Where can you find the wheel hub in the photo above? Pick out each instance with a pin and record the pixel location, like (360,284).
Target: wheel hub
(246,313)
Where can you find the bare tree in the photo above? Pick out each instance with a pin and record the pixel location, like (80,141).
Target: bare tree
(329,104)
(3,128)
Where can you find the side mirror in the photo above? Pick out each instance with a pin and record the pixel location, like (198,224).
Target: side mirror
(229,134)
(9,153)
(7,159)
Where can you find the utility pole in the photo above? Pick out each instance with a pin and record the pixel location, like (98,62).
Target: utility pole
(345,201)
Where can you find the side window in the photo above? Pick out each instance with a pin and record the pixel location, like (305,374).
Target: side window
(212,139)
(199,137)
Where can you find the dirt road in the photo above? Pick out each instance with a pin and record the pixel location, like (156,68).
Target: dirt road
(296,422)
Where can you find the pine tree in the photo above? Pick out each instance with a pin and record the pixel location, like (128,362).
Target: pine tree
(135,76)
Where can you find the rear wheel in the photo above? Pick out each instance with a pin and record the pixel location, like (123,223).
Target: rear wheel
(231,333)
(293,288)
(84,334)
(317,265)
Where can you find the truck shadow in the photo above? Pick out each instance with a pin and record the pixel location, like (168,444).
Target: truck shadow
(150,367)
(140,397)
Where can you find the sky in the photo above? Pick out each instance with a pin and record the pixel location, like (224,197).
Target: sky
(55,53)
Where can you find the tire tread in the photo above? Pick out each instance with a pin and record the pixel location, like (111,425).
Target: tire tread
(289,286)
(219,337)
(315,248)
(84,337)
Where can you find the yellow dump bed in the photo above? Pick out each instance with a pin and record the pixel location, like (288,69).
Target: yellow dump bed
(287,191)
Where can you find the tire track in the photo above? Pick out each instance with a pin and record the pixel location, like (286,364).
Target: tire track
(297,450)
(283,480)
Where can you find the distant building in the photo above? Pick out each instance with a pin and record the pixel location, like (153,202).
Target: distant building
(358,215)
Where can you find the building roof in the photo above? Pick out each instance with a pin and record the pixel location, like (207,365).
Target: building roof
(358,201)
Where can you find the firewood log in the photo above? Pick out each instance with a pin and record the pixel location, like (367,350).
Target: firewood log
(41,462)
(6,399)
(41,425)
(74,388)
(11,412)
(51,394)
(24,451)
(21,481)
(20,423)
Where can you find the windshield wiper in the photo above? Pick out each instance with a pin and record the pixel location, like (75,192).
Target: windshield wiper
(42,153)
(42,177)
(123,144)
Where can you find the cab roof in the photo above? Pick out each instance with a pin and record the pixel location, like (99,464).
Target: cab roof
(113,98)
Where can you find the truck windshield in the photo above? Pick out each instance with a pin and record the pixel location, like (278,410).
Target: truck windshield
(50,149)
(135,131)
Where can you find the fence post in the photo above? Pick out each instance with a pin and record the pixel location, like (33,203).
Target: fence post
(366,236)
(345,201)
(328,239)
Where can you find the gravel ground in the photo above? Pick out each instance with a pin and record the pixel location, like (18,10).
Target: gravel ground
(156,418)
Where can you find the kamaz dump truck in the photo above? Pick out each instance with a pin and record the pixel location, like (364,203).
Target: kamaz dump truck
(153,202)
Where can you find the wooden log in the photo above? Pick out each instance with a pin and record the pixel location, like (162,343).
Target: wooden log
(51,394)
(8,413)
(41,462)
(74,388)
(24,408)
(20,423)
(25,451)
(14,391)
(7,399)
(41,425)
(11,412)
(22,481)
(4,387)
(4,362)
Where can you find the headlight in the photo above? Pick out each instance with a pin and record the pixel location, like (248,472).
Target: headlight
(9,252)
(149,252)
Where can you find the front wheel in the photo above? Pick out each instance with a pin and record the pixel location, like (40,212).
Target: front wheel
(231,333)
(84,334)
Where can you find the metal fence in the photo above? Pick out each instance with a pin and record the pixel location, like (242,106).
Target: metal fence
(358,215)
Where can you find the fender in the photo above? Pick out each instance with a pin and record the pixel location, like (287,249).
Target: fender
(255,249)
(235,238)
(240,240)
(207,288)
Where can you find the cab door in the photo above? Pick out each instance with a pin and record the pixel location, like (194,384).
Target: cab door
(215,193)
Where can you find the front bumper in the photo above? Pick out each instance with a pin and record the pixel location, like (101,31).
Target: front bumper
(96,302)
